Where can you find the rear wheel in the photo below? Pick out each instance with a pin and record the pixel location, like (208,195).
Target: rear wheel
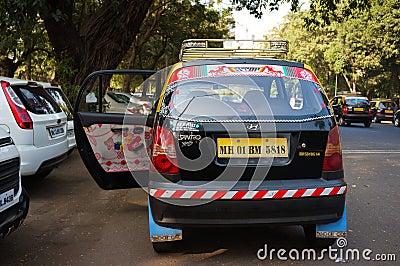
(310,233)
(41,173)
(367,124)
(397,121)
(341,121)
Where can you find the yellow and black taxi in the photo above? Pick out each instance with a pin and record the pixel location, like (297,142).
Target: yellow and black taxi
(383,110)
(352,108)
(236,137)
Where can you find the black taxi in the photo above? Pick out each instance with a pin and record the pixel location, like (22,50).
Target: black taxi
(236,137)
(352,108)
(383,110)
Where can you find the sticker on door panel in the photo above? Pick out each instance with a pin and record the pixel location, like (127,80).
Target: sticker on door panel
(120,148)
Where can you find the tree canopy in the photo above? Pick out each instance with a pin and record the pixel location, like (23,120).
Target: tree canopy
(358,40)
(362,49)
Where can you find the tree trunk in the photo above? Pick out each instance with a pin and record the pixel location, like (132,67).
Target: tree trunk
(394,76)
(8,67)
(104,39)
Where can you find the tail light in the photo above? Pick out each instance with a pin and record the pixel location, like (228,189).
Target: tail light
(333,153)
(345,110)
(164,154)
(21,115)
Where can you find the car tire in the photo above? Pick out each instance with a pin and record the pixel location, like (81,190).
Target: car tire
(166,247)
(314,241)
(397,121)
(341,121)
(42,173)
(367,124)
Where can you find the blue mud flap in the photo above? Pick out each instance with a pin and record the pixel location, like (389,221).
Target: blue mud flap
(162,234)
(333,230)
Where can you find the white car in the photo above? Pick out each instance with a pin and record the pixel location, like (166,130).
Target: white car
(36,123)
(138,103)
(59,96)
(14,202)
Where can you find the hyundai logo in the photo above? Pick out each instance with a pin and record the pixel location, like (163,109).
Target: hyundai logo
(253,126)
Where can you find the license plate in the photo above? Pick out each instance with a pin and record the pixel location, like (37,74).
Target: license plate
(388,111)
(358,109)
(56,131)
(252,147)
(6,199)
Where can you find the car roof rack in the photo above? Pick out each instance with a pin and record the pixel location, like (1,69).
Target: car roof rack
(381,99)
(195,49)
(349,93)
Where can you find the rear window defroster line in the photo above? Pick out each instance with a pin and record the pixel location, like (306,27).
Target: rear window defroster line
(252,120)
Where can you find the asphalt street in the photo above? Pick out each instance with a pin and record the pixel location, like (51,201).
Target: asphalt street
(73,222)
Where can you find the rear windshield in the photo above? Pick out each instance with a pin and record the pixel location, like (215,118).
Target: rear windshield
(356,101)
(384,105)
(37,100)
(246,97)
(62,101)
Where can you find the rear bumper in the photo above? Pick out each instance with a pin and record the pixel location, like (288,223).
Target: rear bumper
(71,140)
(281,208)
(40,158)
(357,118)
(13,217)
(385,117)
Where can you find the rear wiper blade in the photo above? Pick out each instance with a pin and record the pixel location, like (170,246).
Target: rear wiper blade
(194,97)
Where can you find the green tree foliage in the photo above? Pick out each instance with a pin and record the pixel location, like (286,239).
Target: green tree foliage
(321,11)
(81,36)
(163,45)
(23,39)
(363,49)
(159,41)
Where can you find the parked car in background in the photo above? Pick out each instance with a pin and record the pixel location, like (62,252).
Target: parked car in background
(144,100)
(115,103)
(352,109)
(62,100)
(14,201)
(36,123)
(396,118)
(121,102)
(382,110)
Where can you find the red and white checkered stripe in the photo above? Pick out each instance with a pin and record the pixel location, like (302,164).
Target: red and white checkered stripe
(247,194)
